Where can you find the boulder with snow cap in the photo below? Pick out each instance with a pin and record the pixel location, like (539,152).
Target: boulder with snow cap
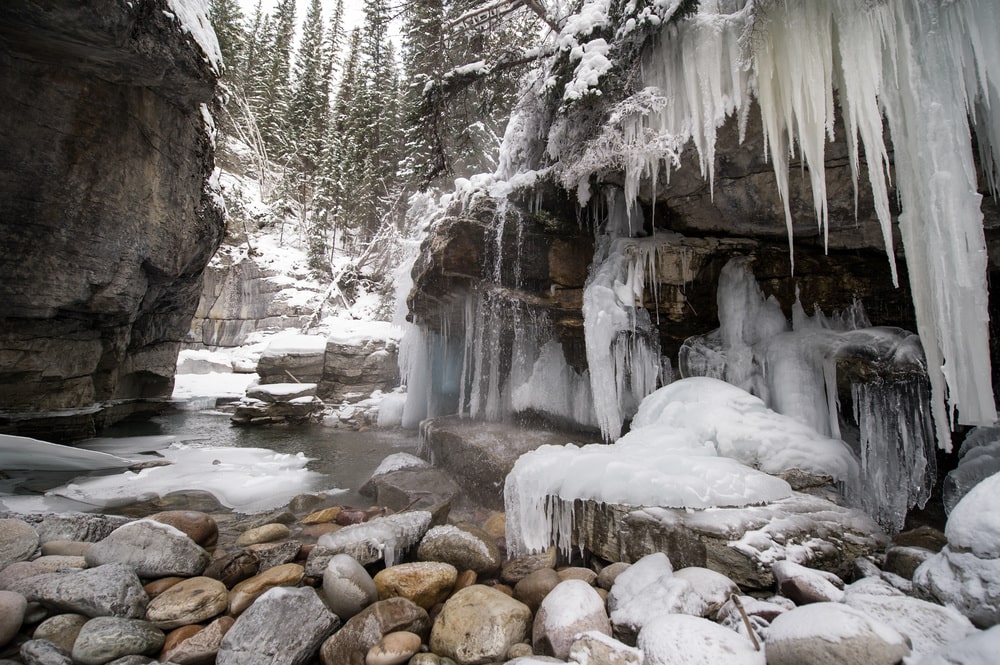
(832,634)
(928,626)
(679,638)
(966,572)
(647,589)
(571,608)
(806,585)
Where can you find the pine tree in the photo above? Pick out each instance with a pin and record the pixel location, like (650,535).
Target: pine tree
(272,109)
(227,20)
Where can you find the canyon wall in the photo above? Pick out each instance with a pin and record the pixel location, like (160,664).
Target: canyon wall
(107,215)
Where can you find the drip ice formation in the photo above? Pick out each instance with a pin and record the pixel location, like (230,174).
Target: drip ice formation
(793,368)
(623,350)
(696,443)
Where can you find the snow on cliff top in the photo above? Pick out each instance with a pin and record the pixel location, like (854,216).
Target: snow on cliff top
(193,16)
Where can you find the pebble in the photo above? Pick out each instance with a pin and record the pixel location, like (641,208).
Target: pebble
(194,600)
(275,554)
(533,587)
(606,578)
(43,652)
(465,547)
(233,568)
(66,548)
(514,570)
(12,608)
(904,560)
(578,573)
(178,635)
(347,586)
(61,630)
(198,526)
(322,516)
(426,583)
(247,591)
(393,649)
(18,541)
(351,643)
(103,639)
(200,648)
(86,527)
(109,590)
(285,626)
(266,533)
(465,578)
(478,625)
(152,549)
(156,587)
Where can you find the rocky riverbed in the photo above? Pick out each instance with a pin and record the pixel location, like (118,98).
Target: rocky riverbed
(325,583)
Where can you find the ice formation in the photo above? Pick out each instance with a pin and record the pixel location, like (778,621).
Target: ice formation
(979,458)
(928,66)
(382,538)
(696,443)
(793,367)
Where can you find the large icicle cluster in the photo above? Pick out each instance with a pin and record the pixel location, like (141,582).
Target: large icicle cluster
(793,367)
(926,66)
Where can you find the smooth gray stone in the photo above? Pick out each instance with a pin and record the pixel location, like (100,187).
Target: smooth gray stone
(285,626)
(105,639)
(83,527)
(111,590)
(43,652)
(18,541)
(152,549)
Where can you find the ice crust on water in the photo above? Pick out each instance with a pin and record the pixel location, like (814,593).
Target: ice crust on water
(244,479)
(696,443)
(792,367)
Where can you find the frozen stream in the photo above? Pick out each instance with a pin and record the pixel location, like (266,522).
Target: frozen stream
(248,469)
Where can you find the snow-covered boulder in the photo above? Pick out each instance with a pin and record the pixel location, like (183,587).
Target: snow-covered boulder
(678,638)
(832,634)
(966,573)
(979,458)
(292,357)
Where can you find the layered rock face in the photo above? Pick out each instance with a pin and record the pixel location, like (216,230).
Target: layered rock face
(107,217)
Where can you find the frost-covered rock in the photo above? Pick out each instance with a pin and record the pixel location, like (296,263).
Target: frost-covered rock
(386,538)
(832,634)
(712,587)
(295,357)
(281,392)
(673,638)
(593,647)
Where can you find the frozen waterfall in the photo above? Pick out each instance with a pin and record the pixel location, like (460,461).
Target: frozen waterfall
(926,66)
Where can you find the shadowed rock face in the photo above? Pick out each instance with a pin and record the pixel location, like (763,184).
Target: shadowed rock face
(106,221)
